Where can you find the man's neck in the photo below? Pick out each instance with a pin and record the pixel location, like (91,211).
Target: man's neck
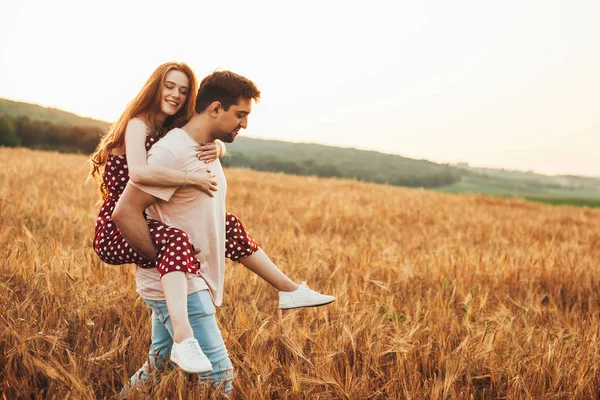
(199,128)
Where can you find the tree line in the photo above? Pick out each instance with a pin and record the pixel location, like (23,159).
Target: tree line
(44,135)
(343,169)
(262,155)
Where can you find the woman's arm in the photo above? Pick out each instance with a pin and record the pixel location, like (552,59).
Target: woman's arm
(139,170)
(209,152)
(222,150)
(155,175)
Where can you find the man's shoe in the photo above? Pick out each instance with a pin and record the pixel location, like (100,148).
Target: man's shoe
(303,297)
(190,357)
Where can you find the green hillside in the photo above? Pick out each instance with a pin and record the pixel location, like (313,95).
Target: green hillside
(316,159)
(566,189)
(49,128)
(536,190)
(53,115)
(299,158)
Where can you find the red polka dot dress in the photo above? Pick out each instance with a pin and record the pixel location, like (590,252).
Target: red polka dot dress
(174,250)
(238,242)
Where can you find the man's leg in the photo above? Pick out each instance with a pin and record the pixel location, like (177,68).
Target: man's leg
(201,313)
(158,354)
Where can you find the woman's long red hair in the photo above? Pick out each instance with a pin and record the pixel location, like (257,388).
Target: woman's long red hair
(146,105)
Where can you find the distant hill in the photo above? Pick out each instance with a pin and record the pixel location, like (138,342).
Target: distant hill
(316,159)
(572,181)
(561,189)
(328,161)
(54,115)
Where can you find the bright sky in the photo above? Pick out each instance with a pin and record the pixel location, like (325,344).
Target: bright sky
(512,84)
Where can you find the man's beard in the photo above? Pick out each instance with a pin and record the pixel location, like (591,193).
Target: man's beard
(229,137)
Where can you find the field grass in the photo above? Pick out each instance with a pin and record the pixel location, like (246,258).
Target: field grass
(438,296)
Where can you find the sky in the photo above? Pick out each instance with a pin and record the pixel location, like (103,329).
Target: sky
(503,84)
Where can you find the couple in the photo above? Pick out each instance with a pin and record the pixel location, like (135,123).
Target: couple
(164,210)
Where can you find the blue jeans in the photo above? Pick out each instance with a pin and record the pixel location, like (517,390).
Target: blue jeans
(201,313)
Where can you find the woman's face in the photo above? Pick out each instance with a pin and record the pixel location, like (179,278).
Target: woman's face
(174,92)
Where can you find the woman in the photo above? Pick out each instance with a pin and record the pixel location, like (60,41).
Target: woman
(167,101)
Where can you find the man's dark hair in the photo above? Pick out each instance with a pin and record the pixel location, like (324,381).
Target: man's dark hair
(226,87)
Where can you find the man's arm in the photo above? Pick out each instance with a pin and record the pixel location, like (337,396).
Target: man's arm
(129,218)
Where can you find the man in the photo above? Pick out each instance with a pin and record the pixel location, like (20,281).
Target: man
(201,216)
(223,104)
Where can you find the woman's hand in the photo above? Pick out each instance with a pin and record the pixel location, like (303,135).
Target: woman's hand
(208,152)
(204,180)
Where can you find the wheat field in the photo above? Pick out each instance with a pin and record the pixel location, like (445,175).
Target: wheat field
(438,296)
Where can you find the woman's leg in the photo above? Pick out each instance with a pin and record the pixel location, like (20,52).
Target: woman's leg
(241,247)
(175,256)
(259,263)
(174,287)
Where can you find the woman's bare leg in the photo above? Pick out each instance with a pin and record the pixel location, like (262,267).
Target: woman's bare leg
(174,286)
(259,263)
(291,295)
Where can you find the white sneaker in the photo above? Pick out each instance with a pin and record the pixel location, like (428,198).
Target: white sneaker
(190,357)
(303,297)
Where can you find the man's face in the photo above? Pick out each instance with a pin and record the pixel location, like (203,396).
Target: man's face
(231,121)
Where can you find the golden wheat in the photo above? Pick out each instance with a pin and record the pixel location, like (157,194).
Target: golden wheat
(438,296)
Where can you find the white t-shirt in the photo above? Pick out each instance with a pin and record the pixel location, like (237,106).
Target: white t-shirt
(202,217)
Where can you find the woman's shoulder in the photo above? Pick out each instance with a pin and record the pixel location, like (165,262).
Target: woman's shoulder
(137,124)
